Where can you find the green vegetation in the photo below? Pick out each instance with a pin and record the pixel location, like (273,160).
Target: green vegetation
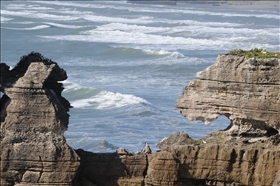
(193,141)
(255,53)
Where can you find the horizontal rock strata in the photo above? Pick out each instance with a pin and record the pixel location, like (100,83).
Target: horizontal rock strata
(247,153)
(247,91)
(187,162)
(33,119)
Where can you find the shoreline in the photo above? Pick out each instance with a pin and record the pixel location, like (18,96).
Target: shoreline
(250,5)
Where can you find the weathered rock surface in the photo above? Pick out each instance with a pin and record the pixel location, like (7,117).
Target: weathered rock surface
(216,162)
(33,119)
(277,179)
(247,153)
(112,169)
(188,162)
(247,91)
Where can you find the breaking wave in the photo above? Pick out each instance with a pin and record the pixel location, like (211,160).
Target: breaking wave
(84,97)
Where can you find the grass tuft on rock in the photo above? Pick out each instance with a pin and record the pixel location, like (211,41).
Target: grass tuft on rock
(255,53)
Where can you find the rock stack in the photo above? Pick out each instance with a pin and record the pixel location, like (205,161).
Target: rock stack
(33,120)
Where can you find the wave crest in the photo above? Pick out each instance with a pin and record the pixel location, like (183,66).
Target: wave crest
(83,97)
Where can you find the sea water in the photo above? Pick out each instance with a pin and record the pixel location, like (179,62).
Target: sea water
(128,63)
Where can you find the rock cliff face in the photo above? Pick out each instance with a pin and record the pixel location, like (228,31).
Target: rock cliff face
(247,153)
(183,161)
(247,91)
(33,119)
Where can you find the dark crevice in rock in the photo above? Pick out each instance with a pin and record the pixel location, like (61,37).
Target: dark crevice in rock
(146,169)
(4,101)
(271,132)
(233,157)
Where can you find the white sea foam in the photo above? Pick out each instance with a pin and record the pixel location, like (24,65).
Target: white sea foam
(131,28)
(164,52)
(95,5)
(39,27)
(38,15)
(27,7)
(141,39)
(5,19)
(23,22)
(200,28)
(104,19)
(200,12)
(224,30)
(107,100)
(83,97)
(208,23)
(63,25)
(147,35)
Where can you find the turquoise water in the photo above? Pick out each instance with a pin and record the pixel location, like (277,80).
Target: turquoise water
(128,63)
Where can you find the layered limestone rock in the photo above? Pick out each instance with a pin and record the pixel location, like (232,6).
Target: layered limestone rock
(247,91)
(214,161)
(33,119)
(247,153)
(183,161)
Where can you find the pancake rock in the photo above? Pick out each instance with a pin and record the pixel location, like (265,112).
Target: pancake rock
(247,91)
(33,119)
(186,162)
(215,160)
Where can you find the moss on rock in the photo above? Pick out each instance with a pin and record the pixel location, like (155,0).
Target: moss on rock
(255,53)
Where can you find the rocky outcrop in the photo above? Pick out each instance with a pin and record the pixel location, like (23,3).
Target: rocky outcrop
(247,91)
(112,169)
(33,119)
(247,153)
(215,161)
(209,161)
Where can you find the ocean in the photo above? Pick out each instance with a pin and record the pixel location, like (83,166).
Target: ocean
(128,63)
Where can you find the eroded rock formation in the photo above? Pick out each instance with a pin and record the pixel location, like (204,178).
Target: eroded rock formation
(33,119)
(247,91)
(247,153)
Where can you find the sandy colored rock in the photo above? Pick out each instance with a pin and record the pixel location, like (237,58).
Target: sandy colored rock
(34,117)
(33,148)
(247,91)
